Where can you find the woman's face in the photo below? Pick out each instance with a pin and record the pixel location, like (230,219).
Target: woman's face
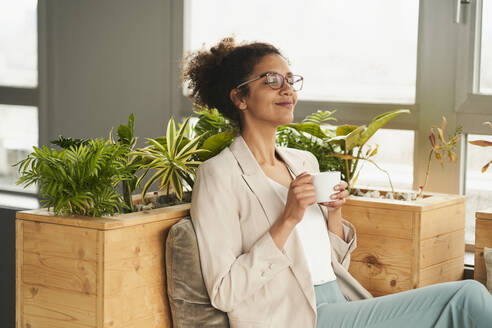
(264,105)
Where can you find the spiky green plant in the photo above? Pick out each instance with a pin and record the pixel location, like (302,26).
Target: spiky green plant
(126,136)
(174,159)
(78,180)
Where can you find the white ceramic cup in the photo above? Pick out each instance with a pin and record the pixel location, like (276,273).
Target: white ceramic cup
(324,183)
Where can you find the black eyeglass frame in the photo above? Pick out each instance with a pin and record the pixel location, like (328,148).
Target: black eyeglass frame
(284,78)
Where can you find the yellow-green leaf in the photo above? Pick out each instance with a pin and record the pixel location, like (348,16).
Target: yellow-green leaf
(486,166)
(441,136)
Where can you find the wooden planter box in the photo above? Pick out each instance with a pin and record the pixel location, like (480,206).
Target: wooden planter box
(405,245)
(483,238)
(93,272)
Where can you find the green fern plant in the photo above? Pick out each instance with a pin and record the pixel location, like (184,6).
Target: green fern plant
(173,159)
(68,142)
(80,179)
(312,134)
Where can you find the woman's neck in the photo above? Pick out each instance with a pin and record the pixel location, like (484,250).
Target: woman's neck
(262,145)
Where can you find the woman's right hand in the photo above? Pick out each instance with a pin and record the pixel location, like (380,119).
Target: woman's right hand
(301,195)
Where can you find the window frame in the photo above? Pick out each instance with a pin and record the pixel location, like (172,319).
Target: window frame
(471,106)
(22,96)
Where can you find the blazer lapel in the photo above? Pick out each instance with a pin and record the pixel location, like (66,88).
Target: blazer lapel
(273,206)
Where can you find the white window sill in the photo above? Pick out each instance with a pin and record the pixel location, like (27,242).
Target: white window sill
(27,202)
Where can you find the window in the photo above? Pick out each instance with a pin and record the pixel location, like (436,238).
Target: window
(18,133)
(351,51)
(18,88)
(18,44)
(478,185)
(474,104)
(486,49)
(395,155)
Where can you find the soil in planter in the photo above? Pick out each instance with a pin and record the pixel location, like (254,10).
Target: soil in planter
(381,194)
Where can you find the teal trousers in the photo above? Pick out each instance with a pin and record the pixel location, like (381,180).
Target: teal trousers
(459,304)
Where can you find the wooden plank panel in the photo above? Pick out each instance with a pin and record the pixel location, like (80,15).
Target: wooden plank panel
(60,272)
(443,220)
(62,308)
(416,240)
(485,214)
(19,255)
(381,280)
(136,241)
(134,305)
(41,322)
(107,223)
(383,251)
(153,320)
(451,270)
(483,233)
(126,274)
(134,271)
(60,241)
(480,271)
(100,279)
(379,221)
(441,248)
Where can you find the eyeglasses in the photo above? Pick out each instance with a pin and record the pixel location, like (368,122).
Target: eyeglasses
(276,81)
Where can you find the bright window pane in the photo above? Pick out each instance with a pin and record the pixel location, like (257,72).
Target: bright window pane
(354,50)
(18,134)
(478,185)
(486,55)
(395,155)
(18,43)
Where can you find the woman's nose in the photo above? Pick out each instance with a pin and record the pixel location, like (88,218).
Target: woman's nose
(286,89)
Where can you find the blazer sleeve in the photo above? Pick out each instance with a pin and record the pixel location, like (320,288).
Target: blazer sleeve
(231,274)
(341,248)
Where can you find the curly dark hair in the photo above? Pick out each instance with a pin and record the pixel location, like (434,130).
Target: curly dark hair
(213,73)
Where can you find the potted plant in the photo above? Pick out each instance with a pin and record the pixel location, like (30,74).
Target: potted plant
(402,243)
(409,239)
(84,262)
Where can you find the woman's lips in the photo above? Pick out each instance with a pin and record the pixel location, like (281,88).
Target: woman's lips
(285,104)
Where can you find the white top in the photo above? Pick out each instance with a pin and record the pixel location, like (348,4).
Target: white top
(313,234)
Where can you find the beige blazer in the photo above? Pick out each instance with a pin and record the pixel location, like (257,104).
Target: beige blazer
(246,275)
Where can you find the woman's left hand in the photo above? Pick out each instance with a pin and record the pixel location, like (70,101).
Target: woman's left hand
(338,197)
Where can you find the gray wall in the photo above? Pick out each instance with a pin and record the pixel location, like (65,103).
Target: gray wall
(102,60)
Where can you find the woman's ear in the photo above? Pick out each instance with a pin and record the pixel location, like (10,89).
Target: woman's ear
(237,100)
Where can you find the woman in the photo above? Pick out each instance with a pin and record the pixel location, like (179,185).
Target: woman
(271,256)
